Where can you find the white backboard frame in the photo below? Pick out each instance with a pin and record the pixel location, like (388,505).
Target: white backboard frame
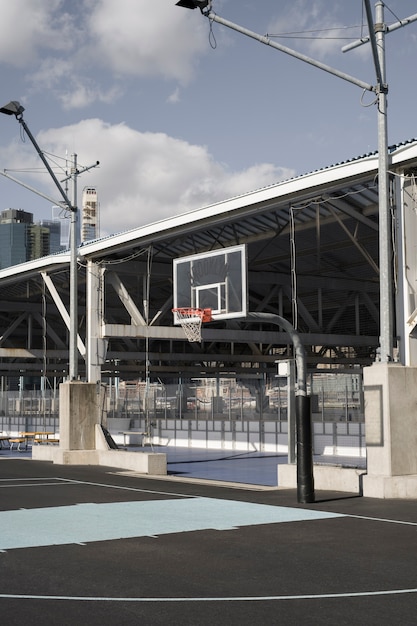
(216,279)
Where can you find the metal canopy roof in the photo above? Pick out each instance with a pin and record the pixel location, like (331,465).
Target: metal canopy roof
(312,246)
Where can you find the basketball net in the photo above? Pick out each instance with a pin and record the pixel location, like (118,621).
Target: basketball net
(191,321)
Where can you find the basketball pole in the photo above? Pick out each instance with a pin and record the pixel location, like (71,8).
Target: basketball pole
(305,478)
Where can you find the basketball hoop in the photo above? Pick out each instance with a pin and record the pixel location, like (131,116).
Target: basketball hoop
(191,321)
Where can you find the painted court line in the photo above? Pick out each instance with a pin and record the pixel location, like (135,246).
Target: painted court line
(322,596)
(46,484)
(382,519)
(37,482)
(83,523)
(14,480)
(136,489)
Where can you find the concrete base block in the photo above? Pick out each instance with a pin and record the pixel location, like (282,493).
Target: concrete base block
(152,463)
(390,486)
(65,457)
(326,478)
(44,453)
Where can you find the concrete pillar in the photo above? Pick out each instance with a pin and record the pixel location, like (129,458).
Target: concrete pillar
(96,346)
(82,441)
(78,413)
(391,431)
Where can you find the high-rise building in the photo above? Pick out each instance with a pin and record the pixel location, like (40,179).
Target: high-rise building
(21,240)
(63,218)
(54,228)
(90,215)
(14,236)
(38,241)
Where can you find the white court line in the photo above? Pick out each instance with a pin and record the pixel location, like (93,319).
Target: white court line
(10,480)
(15,483)
(175,494)
(181,495)
(161,493)
(382,519)
(30,485)
(322,596)
(68,481)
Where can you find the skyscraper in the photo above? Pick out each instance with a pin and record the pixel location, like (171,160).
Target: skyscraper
(14,236)
(54,228)
(21,240)
(90,215)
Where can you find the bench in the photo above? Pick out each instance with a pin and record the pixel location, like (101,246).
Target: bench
(138,433)
(43,440)
(18,441)
(4,439)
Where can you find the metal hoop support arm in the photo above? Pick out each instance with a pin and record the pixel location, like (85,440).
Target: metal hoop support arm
(305,480)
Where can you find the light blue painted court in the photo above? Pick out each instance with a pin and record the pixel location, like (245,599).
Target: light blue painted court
(82,523)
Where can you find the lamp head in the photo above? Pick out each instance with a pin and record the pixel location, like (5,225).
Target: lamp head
(13,108)
(196,4)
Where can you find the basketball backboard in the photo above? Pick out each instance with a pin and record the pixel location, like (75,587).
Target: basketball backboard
(215,280)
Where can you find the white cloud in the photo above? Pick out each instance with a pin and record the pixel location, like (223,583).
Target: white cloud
(50,72)
(146,38)
(318,27)
(145,177)
(174,97)
(65,46)
(27,26)
(86,92)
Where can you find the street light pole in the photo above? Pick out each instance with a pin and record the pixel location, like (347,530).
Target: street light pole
(16,109)
(73,350)
(73,335)
(385,257)
(385,260)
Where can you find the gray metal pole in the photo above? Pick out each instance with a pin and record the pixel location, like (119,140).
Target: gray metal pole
(73,352)
(44,160)
(72,206)
(14,108)
(385,279)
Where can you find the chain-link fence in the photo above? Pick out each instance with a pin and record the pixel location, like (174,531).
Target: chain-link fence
(254,411)
(334,397)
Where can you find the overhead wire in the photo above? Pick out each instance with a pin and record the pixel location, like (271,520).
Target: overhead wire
(309,34)
(132,256)
(212,38)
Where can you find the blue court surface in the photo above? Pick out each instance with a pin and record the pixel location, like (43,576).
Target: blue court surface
(81,523)
(92,545)
(256,468)
(223,465)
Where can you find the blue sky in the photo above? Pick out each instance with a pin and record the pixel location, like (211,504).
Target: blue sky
(179,119)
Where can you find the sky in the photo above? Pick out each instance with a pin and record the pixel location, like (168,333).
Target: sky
(182,113)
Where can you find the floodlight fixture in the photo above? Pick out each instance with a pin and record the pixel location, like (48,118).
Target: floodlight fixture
(203,5)
(13,108)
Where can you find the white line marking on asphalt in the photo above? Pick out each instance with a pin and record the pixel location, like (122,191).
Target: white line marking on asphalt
(382,519)
(320,596)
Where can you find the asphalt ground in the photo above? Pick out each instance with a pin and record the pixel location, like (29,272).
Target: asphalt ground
(92,545)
